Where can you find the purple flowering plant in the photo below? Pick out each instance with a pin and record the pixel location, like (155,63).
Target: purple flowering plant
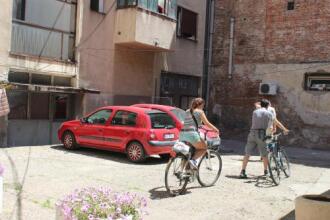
(102,204)
(2,170)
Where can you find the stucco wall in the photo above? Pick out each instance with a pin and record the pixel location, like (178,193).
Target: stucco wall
(5,30)
(187,55)
(116,71)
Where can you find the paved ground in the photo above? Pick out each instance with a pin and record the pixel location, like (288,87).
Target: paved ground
(36,177)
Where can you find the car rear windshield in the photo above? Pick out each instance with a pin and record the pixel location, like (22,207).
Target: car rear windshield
(179,113)
(161,120)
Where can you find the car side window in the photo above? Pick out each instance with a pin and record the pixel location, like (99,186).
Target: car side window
(100,117)
(124,118)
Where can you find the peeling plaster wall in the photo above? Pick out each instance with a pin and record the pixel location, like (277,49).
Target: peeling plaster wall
(272,44)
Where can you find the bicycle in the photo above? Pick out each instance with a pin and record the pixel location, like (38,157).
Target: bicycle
(179,173)
(278,160)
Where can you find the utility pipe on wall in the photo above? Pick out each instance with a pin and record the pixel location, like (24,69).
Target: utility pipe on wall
(209,30)
(231,45)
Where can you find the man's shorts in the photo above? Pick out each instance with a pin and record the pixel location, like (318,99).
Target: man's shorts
(255,140)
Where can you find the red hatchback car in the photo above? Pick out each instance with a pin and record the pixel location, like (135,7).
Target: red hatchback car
(138,132)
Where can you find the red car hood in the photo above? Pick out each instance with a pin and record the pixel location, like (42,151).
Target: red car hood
(71,123)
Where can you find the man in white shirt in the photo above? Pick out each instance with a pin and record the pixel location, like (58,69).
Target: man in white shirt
(276,123)
(262,119)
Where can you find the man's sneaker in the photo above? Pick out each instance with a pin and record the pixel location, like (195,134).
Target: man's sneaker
(193,164)
(243,175)
(265,172)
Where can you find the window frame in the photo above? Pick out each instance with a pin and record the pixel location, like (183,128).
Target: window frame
(179,24)
(316,76)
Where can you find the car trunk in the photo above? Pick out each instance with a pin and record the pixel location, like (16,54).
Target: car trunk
(162,126)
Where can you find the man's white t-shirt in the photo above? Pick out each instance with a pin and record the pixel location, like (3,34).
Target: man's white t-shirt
(269,131)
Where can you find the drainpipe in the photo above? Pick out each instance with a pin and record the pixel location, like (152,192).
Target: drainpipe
(209,27)
(231,43)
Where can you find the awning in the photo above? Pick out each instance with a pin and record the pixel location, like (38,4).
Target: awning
(54,89)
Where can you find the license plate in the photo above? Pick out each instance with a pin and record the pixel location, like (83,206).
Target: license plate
(168,136)
(216,142)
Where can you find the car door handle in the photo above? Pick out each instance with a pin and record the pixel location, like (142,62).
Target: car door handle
(100,129)
(127,132)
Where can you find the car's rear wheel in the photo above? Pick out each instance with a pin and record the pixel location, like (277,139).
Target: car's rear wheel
(69,141)
(135,152)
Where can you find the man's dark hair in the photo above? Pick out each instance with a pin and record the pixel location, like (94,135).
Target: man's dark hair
(264,103)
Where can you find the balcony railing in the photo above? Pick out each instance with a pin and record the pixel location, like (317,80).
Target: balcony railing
(35,40)
(167,8)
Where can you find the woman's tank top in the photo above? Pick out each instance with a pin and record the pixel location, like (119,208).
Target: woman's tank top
(189,122)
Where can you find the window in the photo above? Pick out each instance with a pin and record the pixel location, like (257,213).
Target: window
(18,77)
(124,118)
(187,24)
(62,81)
(39,106)
(161,6)
(19,9)
(38,79)
(97,5)
(100,117)
(164,7)
(317,81)
(18,103)
(290,5)
(161,120)
(61,106)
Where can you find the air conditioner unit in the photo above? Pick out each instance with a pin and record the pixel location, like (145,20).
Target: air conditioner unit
(98,6)
(268,89)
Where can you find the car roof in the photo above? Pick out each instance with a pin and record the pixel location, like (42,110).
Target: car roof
(127,108)
(161,107)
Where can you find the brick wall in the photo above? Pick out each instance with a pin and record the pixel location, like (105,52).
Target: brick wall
(272,44)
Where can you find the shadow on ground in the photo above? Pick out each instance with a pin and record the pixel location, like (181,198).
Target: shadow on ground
(108,155)
(303,156)
(159,193)
(258,181)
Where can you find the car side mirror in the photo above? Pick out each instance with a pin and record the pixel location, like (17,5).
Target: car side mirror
(83,120)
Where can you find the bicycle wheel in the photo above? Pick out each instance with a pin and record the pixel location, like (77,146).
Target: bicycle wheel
(209,169)
(274,169)
(176,178)
(285,163)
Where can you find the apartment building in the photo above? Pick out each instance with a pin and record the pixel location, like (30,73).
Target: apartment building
(64,58)
(277,50)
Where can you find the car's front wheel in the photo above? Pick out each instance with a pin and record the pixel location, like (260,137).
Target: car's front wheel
(69,141)
(135,152)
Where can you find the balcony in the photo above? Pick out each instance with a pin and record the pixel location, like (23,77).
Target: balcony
(35,40)
(146,24)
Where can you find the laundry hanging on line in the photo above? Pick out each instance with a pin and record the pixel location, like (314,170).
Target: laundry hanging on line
(4,106)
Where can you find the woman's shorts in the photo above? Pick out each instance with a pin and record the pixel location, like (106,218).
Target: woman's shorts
(191,137)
